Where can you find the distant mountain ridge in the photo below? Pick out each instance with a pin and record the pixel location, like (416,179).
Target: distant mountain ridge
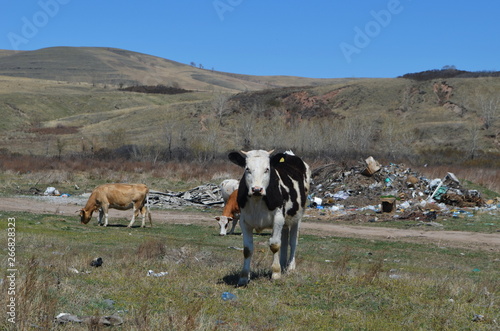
(114,66)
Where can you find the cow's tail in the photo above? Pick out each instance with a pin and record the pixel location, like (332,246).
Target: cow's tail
(148,210)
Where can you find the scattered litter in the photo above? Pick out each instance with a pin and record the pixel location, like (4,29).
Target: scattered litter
(109,302)
(97,262)
(316,201)
(341,195)
(228,296)
(111,320)
(74,270)
(372,166)
(157,274)
(236,248)
(64,318)
(51,191)
(477,318)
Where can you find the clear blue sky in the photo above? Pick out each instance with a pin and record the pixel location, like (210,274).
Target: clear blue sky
(322,39)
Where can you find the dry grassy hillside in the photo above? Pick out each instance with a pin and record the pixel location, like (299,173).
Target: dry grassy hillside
(113,66)
(454,120)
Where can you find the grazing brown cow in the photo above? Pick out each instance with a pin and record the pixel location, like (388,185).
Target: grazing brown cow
(117,196)
(230,213)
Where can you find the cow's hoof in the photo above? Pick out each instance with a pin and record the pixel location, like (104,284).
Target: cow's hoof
(276,275)
(242,282)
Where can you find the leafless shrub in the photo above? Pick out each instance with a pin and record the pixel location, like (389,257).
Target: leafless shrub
(372,273)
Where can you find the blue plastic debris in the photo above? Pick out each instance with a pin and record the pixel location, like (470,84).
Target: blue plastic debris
(228,296)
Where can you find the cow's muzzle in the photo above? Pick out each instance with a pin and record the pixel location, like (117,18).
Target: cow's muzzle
(258,191)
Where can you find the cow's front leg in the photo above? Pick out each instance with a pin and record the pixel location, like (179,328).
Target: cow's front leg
(275,244)
(294,239)
(100,216)
(105,209)
(133,218)
(247,253)
(143,215)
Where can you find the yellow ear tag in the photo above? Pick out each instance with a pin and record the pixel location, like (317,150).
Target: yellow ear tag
(282,159)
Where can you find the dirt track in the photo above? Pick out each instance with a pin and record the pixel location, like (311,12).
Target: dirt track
(459,239)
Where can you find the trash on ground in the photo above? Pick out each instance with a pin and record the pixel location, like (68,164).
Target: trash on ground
(394,190)
(111,320)
(157,274)
(97,262)
(228,296)
(51,191)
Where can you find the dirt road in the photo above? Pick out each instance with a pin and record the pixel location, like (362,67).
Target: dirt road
(439,238)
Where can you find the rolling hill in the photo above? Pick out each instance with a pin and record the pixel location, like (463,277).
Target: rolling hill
(65,100)
(121,67)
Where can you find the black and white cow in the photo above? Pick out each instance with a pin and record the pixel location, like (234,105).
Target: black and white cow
(272,194)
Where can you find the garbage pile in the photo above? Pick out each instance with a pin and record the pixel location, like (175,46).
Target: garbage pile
(371,186)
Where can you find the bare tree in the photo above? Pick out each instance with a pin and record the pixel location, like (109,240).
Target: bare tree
(220,105)
(474,134)
(396,138)
(60,144)
(489,110)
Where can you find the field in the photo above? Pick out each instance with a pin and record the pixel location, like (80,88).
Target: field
(344,283)
(68,123)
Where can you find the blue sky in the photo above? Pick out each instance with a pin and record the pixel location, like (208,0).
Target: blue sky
(321,39)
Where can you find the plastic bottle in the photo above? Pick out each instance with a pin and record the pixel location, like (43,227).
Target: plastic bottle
(228,296)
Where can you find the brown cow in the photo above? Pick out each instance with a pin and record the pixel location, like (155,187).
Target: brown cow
(230,213)
(117,196)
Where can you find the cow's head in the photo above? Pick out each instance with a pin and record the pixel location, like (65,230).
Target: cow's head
(257,170)
(223,224)
(85,216)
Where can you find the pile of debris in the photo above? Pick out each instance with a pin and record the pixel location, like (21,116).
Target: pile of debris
(365,185)
(204,195)
(369,183)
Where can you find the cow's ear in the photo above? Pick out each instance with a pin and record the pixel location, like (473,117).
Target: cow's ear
(237,159)
(241,198)
(277,159)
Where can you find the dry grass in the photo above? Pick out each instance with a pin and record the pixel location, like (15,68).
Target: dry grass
(370,285)
(393,118)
